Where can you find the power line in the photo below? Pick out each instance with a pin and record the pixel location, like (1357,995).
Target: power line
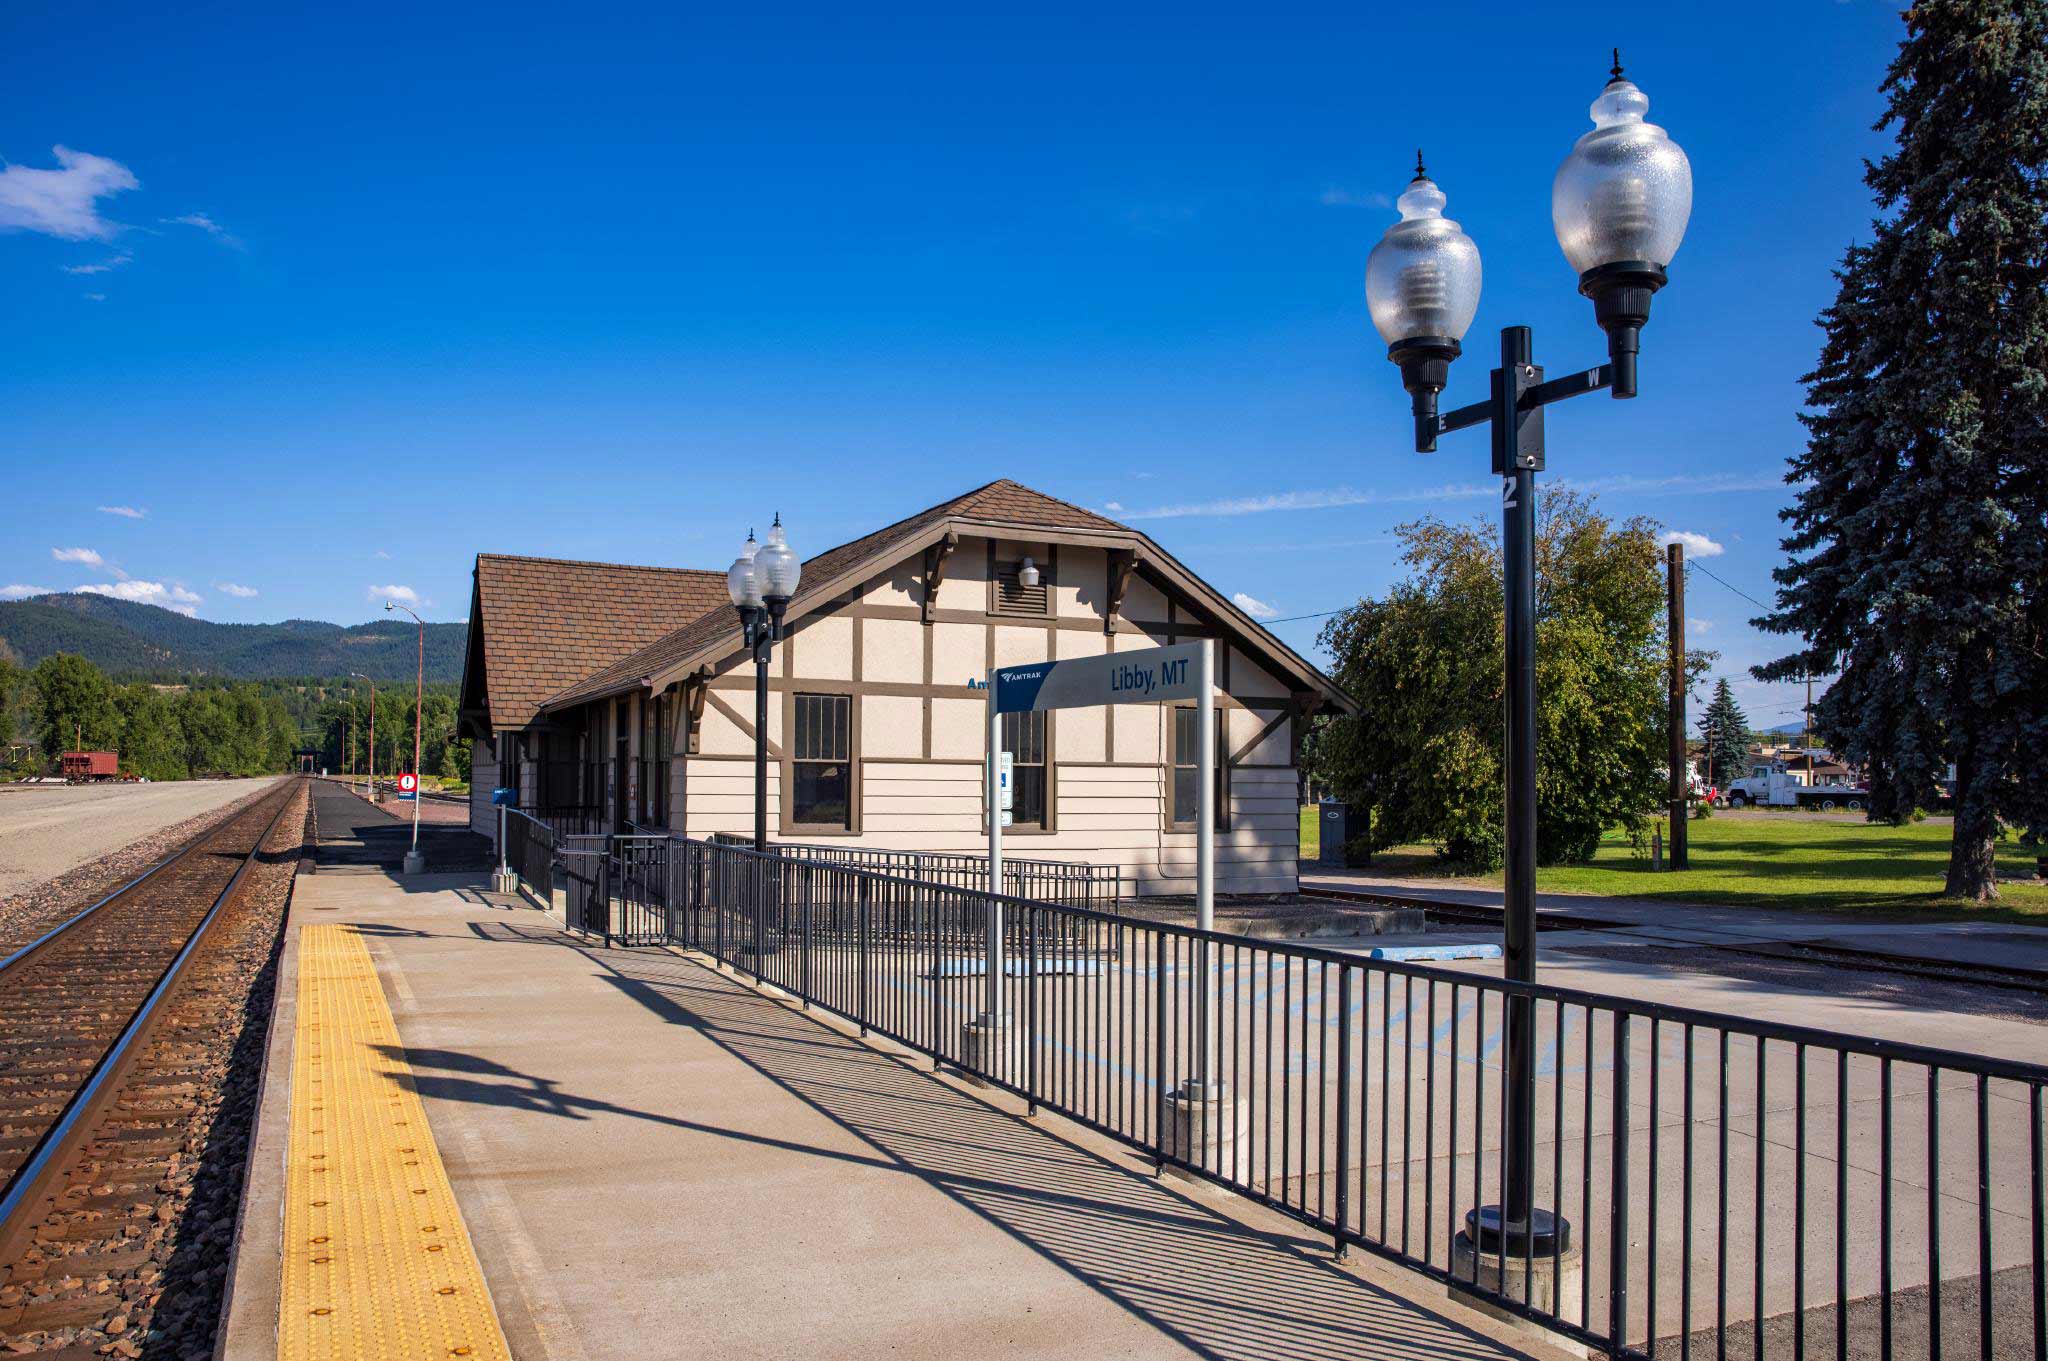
(1738,590)
(1296,618)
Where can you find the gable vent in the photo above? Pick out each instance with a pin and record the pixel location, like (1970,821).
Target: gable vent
(1014,597)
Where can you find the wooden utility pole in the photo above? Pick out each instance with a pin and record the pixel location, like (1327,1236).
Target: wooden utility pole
(1674,602)
(1806,727)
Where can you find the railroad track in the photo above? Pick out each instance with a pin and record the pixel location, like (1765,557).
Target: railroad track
(110,1044)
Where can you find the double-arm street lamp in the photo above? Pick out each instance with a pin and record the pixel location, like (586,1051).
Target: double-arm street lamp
(415,863)
(1619,205)
(761,580)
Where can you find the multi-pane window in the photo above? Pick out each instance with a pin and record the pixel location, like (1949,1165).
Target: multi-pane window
(1024,739)
(654,761)
(1186,776)
(821,762)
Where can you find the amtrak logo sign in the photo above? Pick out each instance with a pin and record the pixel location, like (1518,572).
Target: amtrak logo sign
(1154,676)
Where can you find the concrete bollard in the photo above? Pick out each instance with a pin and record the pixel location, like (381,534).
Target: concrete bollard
(981,1047)
(1202,1124)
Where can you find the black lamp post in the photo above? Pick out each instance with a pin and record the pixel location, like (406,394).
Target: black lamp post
(761,581)
(1619,205)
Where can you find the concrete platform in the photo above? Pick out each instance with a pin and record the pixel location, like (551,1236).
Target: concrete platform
(656,1161)
(365,838)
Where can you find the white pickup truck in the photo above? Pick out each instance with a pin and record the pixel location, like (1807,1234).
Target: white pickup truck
(1769,786)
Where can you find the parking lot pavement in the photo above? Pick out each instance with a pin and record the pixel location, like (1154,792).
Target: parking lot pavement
(46,830)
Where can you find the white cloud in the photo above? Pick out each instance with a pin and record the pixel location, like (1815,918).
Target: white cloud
(125,512)
(1309,500)
(64,202)
(207,225)
(1256,608)
(95,297)
(382,554)
(172,597)
(112,262)
(1693,625)
(1683,482)
(404,594)
(18,592)
(1336,196)
(1327,498)
(238,592)
(1698,545)
(88,556)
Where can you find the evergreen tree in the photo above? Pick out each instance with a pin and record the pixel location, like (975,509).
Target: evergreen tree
(1919,540)
(1726,730)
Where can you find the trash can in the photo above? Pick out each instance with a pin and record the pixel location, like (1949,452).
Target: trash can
(1333,825)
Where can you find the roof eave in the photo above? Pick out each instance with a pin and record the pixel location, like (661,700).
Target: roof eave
(809,600)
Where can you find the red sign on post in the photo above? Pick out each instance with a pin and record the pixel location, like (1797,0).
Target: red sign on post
(408,783)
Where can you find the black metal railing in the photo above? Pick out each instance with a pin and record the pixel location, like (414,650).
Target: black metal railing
(530,852)
(574,820)
(1791,1190)
(1067,883)
(579,867)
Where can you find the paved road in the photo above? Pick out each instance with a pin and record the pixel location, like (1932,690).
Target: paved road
(48,829)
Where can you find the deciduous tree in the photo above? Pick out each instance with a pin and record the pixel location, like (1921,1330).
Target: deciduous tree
(1424,661)
(74,706)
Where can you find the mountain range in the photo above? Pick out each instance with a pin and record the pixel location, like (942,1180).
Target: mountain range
(146,641)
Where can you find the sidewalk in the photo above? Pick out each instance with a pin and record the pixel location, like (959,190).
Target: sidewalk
(657,1161)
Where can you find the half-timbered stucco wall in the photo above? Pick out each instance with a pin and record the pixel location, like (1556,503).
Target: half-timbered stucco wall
(919,728)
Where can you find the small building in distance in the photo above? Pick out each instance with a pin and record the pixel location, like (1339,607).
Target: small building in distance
(612,696)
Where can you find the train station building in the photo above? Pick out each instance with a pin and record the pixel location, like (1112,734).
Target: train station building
(611,695)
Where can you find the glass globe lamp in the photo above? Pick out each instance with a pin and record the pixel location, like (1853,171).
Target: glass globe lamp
(1422,289)
(778,566)
(743,578)
(1620,204)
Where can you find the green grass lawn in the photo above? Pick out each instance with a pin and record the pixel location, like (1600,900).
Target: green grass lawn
(1776,860)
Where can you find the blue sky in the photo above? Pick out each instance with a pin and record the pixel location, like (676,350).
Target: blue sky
(390,288)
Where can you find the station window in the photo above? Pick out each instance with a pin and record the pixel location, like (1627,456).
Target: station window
(1186,758)
(1024,739)
(654,761)
(821,762)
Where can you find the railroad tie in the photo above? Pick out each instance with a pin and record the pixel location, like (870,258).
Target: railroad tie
(377,1262)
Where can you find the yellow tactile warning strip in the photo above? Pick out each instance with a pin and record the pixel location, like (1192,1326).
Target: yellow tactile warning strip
(376,1261)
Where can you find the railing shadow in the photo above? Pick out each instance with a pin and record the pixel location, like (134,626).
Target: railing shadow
(1217,1286)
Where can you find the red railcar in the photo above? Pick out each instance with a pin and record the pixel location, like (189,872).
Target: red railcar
(80,767)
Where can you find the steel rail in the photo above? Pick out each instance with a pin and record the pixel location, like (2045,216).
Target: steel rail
(52,1151)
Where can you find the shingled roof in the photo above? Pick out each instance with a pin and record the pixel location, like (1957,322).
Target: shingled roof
(1002,504)
(547,623)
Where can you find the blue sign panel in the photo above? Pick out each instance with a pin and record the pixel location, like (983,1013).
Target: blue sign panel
(1153,676)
